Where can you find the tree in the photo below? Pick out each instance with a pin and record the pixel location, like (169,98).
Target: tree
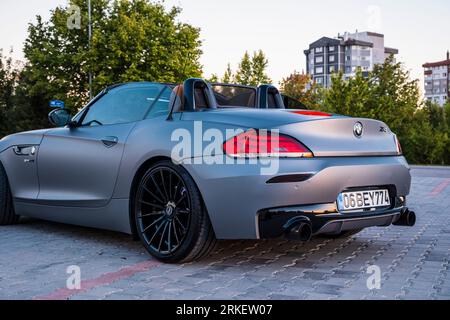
(213,79)
(348,97)
(447,123)
(132,41)
(8,79)
(252,71)
(228,76)
(447,114)
(259,67)
(299,87)
(244,72)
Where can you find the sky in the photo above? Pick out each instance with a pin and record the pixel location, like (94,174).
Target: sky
(281,28)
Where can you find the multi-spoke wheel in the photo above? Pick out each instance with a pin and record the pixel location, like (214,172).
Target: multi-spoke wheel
(170,218)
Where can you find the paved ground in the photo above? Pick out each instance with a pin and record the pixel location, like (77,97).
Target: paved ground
(414,262)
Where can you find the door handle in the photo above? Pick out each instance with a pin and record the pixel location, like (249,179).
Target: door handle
(110,141)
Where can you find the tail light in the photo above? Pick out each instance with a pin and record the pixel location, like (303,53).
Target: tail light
(399,146)
(253,143)
(313,113)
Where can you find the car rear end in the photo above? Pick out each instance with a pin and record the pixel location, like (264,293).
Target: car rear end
(333,174)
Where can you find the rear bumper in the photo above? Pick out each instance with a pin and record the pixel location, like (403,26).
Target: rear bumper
(236,195)
(272,222)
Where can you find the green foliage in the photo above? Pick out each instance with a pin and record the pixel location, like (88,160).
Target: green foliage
(389,95)
(213,79)
(19,111)
(244,73)
(298,86)
(251,71)
(8,79)
(228,76)
(447,123)
(259,69)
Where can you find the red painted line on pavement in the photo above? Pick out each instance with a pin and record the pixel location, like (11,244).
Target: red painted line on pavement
(441,187)
(105,279)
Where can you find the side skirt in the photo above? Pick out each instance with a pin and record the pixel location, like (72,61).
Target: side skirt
(114,216)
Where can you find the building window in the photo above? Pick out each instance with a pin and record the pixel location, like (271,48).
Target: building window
(332,58)
(348,69)
(348,58)
(319,59)
(319,80)
(318,70)
(332,69)
(319,50)
(332,48)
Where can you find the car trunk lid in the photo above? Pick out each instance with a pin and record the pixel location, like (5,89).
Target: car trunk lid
(337,137)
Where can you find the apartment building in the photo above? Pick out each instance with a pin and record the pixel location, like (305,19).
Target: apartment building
(437,81)
(345,53)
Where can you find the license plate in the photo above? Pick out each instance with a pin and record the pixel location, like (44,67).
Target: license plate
(358,200)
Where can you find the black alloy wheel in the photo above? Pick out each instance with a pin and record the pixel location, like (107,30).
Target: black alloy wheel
(170,216)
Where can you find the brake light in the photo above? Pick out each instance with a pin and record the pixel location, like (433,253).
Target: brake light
(399,146)
(313,113)
(254,143)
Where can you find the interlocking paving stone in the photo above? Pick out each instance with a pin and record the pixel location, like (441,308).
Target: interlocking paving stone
(414,262)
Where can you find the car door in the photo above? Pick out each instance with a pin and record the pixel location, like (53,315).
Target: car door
(78,166)
(20,164)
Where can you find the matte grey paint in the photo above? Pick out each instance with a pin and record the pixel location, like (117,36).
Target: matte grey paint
(77,179)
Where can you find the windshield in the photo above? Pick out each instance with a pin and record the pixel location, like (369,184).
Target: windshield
(228,96)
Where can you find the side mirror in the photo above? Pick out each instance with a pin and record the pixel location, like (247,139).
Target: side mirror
(59,117)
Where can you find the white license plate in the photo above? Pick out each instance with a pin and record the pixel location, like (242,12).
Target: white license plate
(358,200)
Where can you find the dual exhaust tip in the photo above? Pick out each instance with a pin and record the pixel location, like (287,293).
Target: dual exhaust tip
(407,219)
(300,229)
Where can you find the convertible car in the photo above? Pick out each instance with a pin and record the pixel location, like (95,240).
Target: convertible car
(112,166)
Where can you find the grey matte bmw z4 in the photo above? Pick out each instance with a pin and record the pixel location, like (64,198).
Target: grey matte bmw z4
(281,172)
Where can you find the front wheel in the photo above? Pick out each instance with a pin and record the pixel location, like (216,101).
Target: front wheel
(170,217)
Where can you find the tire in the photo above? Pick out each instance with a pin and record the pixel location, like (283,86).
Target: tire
(171,220)
(345,234)
(7,215)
